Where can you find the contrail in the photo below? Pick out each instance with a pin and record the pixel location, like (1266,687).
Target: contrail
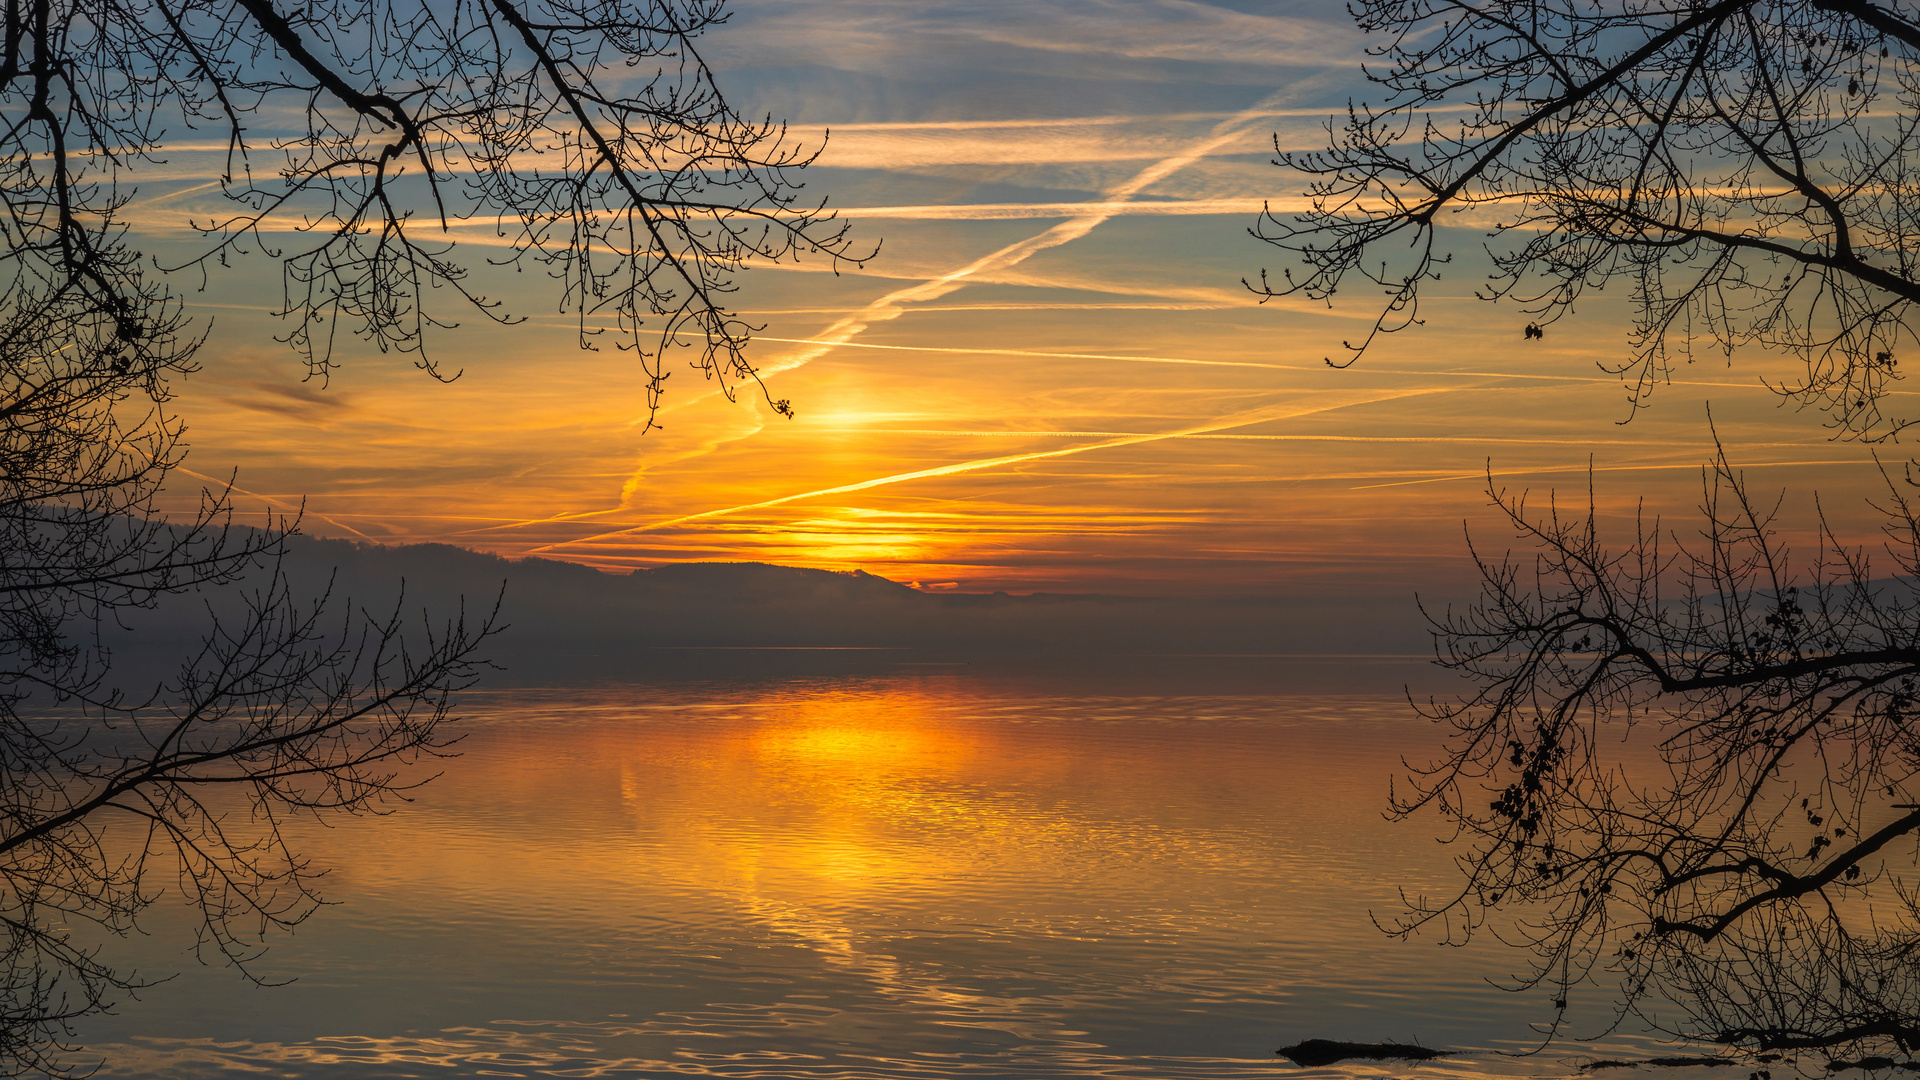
(1631,467)
(1251,416)
(1019,211)
(892,305)
(1138,358)
(1469,440)
(286,507)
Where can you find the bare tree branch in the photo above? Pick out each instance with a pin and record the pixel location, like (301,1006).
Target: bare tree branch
(1688,768)
(1745,167)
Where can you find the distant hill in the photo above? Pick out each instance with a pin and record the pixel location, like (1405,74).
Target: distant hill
(569,622)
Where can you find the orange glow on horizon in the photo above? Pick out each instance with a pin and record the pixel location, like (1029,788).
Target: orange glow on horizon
(1052,378)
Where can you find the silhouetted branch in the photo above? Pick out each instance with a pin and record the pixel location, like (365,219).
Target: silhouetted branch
(590,134)
(1683,766)
(1746,167)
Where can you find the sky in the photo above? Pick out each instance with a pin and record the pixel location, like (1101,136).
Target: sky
(1051,378)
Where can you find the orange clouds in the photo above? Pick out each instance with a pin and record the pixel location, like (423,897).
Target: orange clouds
(1051,378)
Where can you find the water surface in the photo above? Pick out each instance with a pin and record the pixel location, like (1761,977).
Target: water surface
(929,874)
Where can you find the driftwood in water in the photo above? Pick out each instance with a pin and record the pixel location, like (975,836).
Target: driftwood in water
(1316,1052)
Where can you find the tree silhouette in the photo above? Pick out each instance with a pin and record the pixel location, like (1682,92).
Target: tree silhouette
(361,139)
(1691,768)
(1747,168)
(1687,769)
(586,136)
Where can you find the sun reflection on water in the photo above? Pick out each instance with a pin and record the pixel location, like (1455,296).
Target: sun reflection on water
(893,878)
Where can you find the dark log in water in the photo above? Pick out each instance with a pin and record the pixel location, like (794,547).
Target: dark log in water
(1316,1052)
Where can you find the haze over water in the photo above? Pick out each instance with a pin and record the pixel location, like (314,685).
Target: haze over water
(934,873)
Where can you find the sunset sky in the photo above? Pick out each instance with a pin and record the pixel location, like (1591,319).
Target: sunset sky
(1051,377)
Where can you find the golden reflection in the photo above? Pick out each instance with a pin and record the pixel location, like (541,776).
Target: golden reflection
(913,844)
(846,776)
(839,820)
(840,742)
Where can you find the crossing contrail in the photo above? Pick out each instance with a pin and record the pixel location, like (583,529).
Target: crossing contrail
(1240,419)
(894,304)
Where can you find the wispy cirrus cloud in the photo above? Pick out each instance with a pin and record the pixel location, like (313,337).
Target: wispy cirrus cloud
(874,35)
(1265,414)
(305,402)
(1064,188)
(892,305)
(1180,30)
(1055,143)
(1104,207)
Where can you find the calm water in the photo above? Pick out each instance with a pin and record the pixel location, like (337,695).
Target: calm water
(907,876)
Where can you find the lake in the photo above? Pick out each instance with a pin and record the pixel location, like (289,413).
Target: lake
(933,872)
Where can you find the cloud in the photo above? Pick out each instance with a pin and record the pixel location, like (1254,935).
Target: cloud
(877,36)
(1052,143)
(1178,30)
(1047,355)
(304,402)
(163,216)
(1690,447)
(1105,208)
(1136,358)
(1288,411)
(179,220)
(293,509)
(1691,465)
(894,304)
